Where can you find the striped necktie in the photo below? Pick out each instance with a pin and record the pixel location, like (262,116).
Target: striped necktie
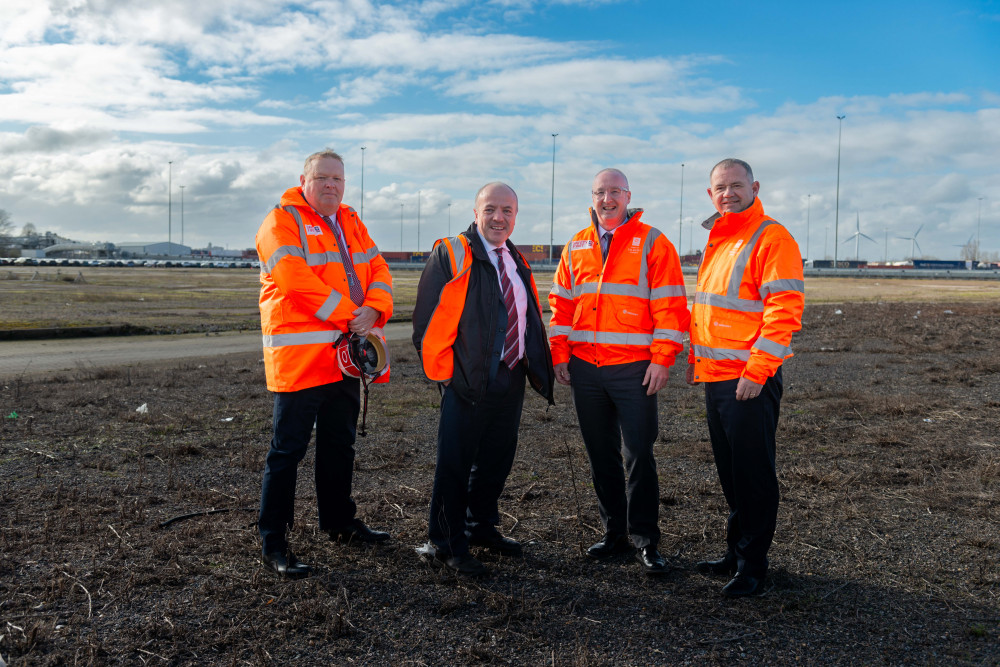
(511,352)
(357,294)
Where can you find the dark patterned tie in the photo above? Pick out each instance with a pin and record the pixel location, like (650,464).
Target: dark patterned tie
(510,354)
(357,294)
(605,245)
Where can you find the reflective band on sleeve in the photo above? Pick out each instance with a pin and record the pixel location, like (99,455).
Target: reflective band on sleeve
(305,338)
(373,252)
(382,286)
(667,291)
(458,248)
(321,258)
(669,334)
(720,301)
(624,289)
(331,303)
(277,255)
(584,288)
(559,331)
(359,258)
(611,338)
(719,353)
(788,285)
(772,348)
(560,291)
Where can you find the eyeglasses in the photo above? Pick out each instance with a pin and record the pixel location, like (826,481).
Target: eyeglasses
(614,193)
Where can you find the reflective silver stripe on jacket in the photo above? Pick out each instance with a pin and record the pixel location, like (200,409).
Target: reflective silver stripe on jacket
(304,338)
(315,258)
(786,285)
(560,291)
(611,338)
(458,252)
(672,335)
(330,305)
(380,285)
(769,346)
(667,291)
(559,331)
(725,301)
(721,353)
(278,254)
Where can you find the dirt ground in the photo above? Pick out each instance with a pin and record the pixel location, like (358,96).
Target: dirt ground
(886,552)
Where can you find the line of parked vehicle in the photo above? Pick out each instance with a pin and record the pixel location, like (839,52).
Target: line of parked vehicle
(159,263)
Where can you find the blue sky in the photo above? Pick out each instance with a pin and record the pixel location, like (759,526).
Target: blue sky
(97,96)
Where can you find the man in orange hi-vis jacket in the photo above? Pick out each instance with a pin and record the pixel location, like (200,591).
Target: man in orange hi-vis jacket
(748,304)
(619,314)
(322,278)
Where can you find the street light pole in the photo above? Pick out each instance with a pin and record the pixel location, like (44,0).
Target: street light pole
(363,182)
(170,189)
(449,218)
(979,229)
(182,215)
(552,215)
(418,220)
(401,228)
(836,218)
(808,211)
(680,216)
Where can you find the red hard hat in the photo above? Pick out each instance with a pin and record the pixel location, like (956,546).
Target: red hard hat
(368,355)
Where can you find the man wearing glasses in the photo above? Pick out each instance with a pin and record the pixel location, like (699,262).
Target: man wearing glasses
(619,313)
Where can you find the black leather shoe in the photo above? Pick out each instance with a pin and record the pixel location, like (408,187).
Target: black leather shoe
(285,564)
(499,544)
(357,531)
(610,544)
(725,566)
(654,564)
(743,585)
(464,565)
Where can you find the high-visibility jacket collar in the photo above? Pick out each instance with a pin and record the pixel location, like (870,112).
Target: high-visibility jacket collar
(631,215)
(728,223)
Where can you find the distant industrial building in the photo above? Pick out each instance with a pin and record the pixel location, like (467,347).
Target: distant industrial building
(157,249)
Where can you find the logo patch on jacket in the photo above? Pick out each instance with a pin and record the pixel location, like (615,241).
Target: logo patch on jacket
(636,241)
(581,245)
(314,230)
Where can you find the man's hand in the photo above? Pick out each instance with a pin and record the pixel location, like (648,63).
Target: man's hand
(364,320)
(747,389)
(689,375)
(656,378)
(562,373)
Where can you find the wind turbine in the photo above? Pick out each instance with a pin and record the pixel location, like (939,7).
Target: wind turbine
(857,237)
(967,244)
(913,242)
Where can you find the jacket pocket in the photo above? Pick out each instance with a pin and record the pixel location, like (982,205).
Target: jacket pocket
(734,326)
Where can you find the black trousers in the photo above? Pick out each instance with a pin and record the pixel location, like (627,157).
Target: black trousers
(475,452)
(743,443)
(334,409)
(613,408)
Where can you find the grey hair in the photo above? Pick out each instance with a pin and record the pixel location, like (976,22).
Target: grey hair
(732,162)
(320,155)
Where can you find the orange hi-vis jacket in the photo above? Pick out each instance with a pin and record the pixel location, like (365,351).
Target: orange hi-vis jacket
(631,308)
(437,345)
(749,298)
(305,301)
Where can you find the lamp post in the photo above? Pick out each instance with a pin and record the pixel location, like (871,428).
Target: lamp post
(449,218)
(680,216)
(979,229)
(170,188)
(418,220)
(182,215)
(363,182)
(808,211)
(836,217)
(552,215)
(401,227)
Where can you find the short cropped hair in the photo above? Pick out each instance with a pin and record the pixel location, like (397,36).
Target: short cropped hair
(319,155)
(732,162)
(475,202)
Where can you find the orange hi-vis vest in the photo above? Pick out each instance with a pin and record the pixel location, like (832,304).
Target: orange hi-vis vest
(436,350)
(631,308)
(305,301)
(749,298)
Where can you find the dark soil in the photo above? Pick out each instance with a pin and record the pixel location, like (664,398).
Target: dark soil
(886,552)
